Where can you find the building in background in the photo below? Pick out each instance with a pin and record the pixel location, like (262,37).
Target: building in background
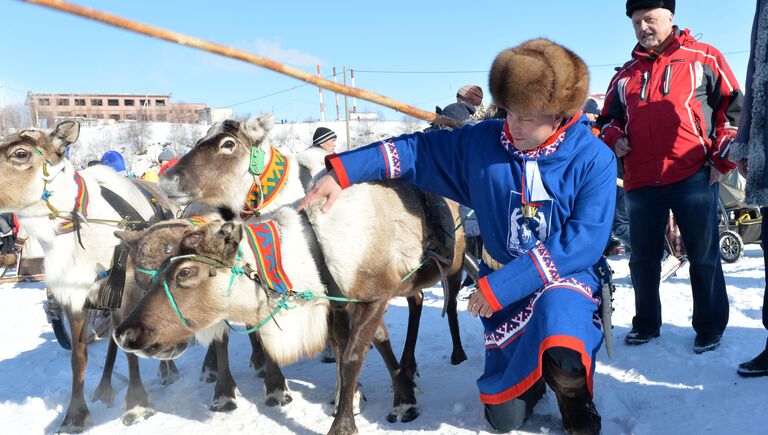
(48,109)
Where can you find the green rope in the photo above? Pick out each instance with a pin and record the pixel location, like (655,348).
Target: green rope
(153,273)
(173,304)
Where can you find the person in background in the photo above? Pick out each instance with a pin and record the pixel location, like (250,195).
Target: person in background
(619,240)
(542,187)
(750,151)
(115,160)
(670,114)
(472,95)
(167,158)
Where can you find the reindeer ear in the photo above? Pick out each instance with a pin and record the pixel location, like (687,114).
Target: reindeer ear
(33,135)
(257,128)
(64,134)
(130,238)
(192,241)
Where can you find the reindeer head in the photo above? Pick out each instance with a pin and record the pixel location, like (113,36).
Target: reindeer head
(196,282)
(152,247)
(213,171)
(22,158)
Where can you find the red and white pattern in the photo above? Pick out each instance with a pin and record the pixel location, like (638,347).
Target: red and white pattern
(544,263)
(391,158)
(508,331)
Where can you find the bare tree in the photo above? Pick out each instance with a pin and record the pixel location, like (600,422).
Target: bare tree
(14,117)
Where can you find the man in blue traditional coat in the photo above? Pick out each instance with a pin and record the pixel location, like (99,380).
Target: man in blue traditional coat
(543,189)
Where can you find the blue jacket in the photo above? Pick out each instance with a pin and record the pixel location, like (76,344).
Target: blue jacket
(472,166)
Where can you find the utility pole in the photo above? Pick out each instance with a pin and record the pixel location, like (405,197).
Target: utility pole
(338,115)
(346,109)
(322,109)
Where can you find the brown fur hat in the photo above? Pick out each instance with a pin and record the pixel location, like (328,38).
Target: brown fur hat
(539,77)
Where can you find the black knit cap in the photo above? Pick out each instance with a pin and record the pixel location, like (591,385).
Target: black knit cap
(634,5)
(322,135)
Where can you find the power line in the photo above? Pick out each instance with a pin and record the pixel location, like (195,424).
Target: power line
(275,93)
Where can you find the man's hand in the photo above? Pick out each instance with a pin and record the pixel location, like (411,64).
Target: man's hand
(621,147)
(326,187)
(742,166)
(478,305)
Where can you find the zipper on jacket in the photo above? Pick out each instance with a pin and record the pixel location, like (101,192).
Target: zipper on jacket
(667,80)
(644,87)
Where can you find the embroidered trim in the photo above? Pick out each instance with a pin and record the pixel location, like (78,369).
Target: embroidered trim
(510,330)
(81,207)
(197,220)
(270,182)
(264,242)
(391,159)
(544,263)
(544,150)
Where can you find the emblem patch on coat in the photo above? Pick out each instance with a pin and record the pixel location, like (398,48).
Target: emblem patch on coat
(528,224)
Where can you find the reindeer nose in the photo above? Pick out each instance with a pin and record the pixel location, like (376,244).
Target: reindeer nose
(129,337)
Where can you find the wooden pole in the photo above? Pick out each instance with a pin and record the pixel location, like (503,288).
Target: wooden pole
(223,50)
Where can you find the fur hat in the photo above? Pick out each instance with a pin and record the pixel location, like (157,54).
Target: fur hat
(322,135)
(539,77)
(471,94)
(636,5)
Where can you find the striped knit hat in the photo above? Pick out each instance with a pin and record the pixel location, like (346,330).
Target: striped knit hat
(322,135)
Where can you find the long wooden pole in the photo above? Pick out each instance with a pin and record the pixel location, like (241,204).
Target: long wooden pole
(223,50)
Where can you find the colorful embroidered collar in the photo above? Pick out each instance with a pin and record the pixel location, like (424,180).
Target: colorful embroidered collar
(264,241)
(266,188)
(81,207)
(547,148)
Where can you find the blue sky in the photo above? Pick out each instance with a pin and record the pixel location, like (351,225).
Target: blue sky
(428,49)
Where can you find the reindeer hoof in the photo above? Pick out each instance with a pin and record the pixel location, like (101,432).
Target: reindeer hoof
(281,398)
(458,357)
(104,393)
(137,414)
(403,413)
(208,376)
(223,404)
(74,423)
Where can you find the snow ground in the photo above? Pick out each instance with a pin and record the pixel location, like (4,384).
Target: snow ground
(659,388)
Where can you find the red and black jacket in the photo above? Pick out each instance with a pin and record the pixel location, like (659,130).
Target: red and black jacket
(679,109)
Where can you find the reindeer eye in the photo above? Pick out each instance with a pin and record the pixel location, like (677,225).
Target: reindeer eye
(227,144)
(21,154)
(185,272)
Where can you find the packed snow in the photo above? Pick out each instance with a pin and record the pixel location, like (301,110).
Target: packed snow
(658,388)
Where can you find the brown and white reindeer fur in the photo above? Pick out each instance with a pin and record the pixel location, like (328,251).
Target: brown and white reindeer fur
(71,269)
(391,232)
(205,298)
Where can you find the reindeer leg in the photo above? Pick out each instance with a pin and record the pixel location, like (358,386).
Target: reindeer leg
(104,392)
(208,371)
(408,359)
(167,372)
(77,412)
(339,337)
(276,390)
(454,286)
(257,353)
(404,405)
(366,318)
(137,406)
(225,391)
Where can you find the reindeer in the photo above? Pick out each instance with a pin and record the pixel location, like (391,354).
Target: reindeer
(69,214)
(219,171)
(211,281)
(149,250)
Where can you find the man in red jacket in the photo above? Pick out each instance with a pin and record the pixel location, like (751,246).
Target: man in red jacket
(670,114)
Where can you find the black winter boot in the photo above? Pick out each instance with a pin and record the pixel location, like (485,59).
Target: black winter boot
(757,366)
(580,417)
